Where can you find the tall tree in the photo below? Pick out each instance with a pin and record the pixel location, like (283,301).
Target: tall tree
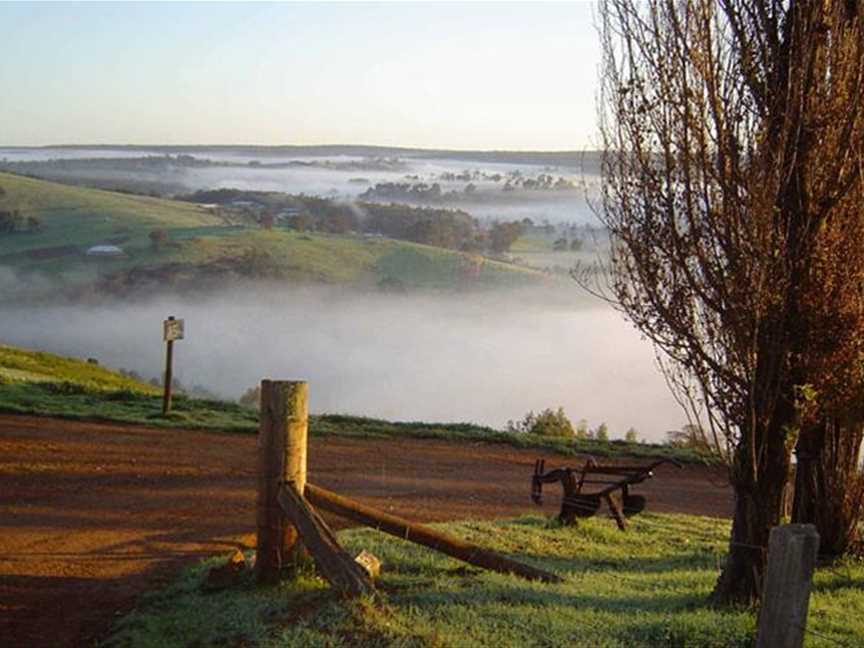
(726,186)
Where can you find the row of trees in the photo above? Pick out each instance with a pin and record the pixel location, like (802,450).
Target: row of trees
(423,192)
(449,228)
(732,188)
(555,423)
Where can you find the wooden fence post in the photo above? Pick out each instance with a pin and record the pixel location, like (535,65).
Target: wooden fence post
(282,434)
(792,551)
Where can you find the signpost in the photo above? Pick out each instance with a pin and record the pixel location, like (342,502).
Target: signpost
(172,329)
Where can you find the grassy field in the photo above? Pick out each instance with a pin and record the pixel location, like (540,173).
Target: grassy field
(81,216)
(25,366)
(351,259)
(646,587)
(200,247)
(44,384)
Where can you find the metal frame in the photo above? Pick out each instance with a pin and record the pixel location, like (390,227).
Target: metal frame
(576,503)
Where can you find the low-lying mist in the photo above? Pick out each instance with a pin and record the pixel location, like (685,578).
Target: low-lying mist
(227,169)
(481,358)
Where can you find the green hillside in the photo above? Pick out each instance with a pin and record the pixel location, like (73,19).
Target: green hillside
(80,216)
(44,384)
(26,366)
(199,249)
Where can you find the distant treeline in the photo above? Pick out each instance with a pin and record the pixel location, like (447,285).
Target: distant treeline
(448,228)
(151,176)
(433,193)
(128,164)
(587,161)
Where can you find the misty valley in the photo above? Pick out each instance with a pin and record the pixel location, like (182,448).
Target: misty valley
(432,324)
(403,284)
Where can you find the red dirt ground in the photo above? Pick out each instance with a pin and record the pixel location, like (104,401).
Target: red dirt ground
(94,514)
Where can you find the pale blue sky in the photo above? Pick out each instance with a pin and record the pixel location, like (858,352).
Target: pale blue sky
(455,75)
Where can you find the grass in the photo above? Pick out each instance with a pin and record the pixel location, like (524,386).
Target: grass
(26,366)
(646,587)
(201,247)
(369,428)
(532,243)
(82,217)
(71,401)
(67,400)
(327,258)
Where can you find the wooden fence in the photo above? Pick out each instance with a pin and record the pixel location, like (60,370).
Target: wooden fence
(288,522)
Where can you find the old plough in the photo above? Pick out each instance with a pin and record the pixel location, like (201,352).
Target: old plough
(586,488)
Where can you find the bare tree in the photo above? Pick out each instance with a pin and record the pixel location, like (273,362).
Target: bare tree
(733,153)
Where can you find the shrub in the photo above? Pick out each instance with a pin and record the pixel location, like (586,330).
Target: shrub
(582,430)
(546,423)
(64,388)
(158,238)
(689,436)
(251,398)
(125,395)
(602,433)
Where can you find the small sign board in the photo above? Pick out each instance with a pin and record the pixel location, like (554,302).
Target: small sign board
(172,329)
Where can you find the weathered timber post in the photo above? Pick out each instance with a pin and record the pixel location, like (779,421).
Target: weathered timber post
(423,535)
(282,434)
(792,550)
(331,560)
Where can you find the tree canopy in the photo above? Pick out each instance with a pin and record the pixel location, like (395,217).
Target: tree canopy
(732,189)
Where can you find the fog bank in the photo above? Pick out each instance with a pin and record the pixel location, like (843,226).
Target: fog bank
(485,359)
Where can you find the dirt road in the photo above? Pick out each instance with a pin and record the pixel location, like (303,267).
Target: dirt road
(94,514)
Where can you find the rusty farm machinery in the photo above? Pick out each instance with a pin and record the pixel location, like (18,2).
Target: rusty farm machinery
(605,483)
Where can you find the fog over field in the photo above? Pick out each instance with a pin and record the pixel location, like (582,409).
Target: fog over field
(446,357)
(478,357)
(334,176)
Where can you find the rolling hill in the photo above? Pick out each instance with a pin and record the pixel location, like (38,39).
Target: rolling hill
(29,366)
(60,223)
(199,250)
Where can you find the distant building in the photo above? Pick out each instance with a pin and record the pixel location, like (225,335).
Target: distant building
(105,251)
(288,213)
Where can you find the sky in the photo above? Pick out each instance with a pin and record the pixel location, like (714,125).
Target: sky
(518,76)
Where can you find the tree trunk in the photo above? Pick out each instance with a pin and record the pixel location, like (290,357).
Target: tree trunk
(808,452)
(829,485)
(758,507)
(756,512)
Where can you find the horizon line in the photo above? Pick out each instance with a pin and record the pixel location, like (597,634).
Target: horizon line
(278,146)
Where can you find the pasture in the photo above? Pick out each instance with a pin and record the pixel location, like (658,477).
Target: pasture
(200,250)
(645,588)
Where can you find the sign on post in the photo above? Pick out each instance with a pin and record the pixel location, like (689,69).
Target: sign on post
(172,329)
